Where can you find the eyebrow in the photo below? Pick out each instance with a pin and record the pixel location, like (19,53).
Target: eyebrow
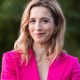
(45,18)
(41,18)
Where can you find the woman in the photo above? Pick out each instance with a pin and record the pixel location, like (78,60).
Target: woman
(38,52)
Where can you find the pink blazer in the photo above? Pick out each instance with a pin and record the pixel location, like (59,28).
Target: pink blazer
(65,67)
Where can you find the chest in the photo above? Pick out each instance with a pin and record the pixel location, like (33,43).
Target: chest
(43,68)
(58,70)
(42,71)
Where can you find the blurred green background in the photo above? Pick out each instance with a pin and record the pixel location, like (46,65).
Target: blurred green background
(10,16)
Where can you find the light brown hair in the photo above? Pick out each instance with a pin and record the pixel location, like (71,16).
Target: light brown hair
(25,42)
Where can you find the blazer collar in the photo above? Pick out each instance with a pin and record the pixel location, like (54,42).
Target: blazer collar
(56,69)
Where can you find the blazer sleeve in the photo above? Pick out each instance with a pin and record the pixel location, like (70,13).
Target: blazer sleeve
(8,71)
(76,70)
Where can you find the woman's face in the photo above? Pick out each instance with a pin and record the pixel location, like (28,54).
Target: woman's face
(41,24)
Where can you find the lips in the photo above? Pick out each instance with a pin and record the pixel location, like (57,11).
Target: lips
(39,34)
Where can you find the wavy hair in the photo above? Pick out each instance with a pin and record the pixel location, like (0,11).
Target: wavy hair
(25,41)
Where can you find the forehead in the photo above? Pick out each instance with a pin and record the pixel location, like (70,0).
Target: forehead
(40,12)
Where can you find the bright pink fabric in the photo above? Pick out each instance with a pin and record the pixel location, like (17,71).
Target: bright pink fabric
(65,67)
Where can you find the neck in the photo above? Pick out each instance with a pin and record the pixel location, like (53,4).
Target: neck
(40,49)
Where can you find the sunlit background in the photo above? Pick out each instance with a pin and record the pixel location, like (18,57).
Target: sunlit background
(10,16)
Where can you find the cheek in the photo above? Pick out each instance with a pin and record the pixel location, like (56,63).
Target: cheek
(30,30)
(51,29)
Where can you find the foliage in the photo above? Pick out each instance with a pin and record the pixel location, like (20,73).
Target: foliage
(71,9)
(10,16)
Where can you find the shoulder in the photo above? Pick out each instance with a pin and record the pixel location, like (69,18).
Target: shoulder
(11,56)
(69,57)
(10,62)
(73,66)
(72,61)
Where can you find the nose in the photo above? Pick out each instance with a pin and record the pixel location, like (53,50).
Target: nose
(38,26)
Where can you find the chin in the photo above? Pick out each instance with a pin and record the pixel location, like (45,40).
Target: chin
(40,41)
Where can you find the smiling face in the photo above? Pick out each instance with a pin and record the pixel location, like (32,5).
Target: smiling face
(41,24)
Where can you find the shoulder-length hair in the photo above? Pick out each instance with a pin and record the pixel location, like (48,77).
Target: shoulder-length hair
(25,42)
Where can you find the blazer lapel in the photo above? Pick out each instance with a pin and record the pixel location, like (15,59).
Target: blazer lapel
(33,66)
(58,67)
